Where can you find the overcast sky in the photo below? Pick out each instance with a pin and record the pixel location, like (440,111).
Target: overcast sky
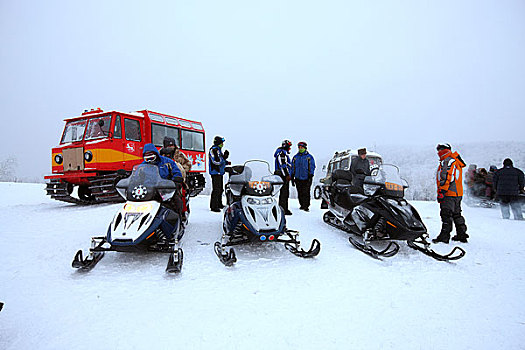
(337,74)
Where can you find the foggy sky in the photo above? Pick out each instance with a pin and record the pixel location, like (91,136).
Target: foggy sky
(337,74)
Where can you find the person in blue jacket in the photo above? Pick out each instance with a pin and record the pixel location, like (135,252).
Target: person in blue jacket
(303,168)
(217,164)
(283,168)
(169,170)
(167,167)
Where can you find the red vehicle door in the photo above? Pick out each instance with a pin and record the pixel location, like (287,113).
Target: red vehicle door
(133,141)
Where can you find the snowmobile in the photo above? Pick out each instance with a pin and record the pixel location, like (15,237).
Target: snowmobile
(253,215)
(146,222)
(378,212)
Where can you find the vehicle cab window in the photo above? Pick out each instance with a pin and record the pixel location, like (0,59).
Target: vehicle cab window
(74,131)
(98,127)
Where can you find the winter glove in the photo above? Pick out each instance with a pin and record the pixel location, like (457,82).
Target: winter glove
(292,180)
(288,178)
(228,163)
(441,196)
(226,154)
(310,177)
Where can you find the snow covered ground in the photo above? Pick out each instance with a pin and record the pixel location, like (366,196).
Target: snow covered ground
(342,299)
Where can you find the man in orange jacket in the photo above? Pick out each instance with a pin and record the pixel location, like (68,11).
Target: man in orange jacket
(450,192)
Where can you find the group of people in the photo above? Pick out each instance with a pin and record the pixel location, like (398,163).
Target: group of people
(480,182)
(298,172)
(506,184)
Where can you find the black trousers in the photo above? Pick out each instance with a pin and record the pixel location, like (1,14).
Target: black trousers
(216,192)
(303,192)
(450,212)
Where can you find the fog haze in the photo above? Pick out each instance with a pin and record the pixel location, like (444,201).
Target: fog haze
(337,74)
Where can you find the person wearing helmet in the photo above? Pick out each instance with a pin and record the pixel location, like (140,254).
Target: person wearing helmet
(217,165)
(508,184)
(303,168)
(449,194)
(283,168)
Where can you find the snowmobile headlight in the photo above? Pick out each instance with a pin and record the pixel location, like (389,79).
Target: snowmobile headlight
(144,208)
(128,207)
(253,201)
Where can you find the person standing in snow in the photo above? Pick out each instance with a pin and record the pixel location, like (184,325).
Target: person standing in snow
(360,168)
(508,184)
(449,194)
(283,168)
(303,167)
(217,165)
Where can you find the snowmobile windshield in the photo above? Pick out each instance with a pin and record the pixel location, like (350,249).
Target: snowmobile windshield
(386,177)
(256,179)
(144,183)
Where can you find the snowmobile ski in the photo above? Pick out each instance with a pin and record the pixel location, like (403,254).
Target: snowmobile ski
(175,262)
(391,249)
(89,262)
(424,247)
(294,246)
(228,258)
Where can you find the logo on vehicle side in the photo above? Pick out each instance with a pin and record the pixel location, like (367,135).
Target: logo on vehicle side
(130,147)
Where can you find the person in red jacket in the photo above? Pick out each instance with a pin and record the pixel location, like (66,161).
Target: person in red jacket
(449,179)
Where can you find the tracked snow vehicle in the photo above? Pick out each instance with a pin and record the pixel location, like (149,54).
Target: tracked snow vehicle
(378,213)
(97,144)
(253,214)
(144,223)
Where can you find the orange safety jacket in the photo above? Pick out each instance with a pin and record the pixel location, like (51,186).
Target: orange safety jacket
(449,176)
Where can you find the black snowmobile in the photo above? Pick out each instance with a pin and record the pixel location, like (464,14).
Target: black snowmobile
(146,222)
(253,214)
(378,212)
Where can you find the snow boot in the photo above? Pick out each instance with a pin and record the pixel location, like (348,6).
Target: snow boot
(461,238)
(441,238)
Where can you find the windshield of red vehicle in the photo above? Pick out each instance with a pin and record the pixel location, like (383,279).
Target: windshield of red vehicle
(74,131)
(98,127)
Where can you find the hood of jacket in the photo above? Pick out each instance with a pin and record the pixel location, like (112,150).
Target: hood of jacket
(149,147)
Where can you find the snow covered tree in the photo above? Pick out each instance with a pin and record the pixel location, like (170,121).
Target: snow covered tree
(8,169)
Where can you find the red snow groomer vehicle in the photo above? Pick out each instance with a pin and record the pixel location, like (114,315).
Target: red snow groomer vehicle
(99,148)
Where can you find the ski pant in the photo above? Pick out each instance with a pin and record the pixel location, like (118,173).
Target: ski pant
(514,203)
(450,212)
(284,193)
(216,192)
(303,192)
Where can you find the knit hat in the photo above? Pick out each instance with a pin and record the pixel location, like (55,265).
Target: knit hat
(361,151)
(169,141)
(302,144)
(442,146)
(507,162)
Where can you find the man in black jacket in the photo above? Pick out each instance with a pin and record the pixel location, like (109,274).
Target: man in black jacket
(360,168)
(508,184)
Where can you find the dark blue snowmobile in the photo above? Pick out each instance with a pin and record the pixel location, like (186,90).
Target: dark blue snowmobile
(253,214)
(146,222)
